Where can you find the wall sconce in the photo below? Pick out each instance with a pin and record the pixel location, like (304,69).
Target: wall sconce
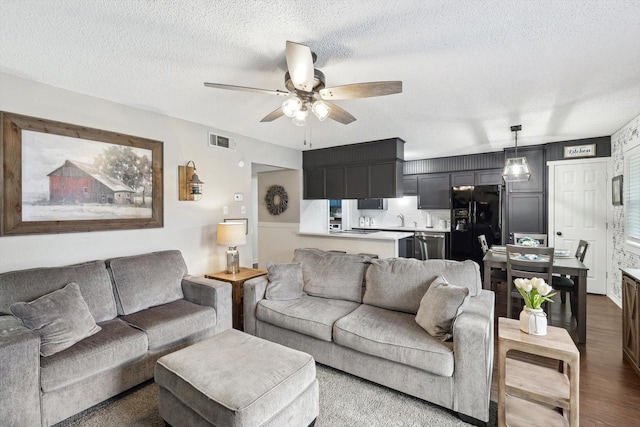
(190,184)
(232,234)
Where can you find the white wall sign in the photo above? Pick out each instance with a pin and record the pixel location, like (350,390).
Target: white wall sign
(580,151)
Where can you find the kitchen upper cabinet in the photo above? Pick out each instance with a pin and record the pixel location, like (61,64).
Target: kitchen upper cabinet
(462,178)
(386,180)
(479,177)
(434,191)
(410,185)
(538,168)
(335,183)
(359,171)
(314,180)
(357,184)
(489,177)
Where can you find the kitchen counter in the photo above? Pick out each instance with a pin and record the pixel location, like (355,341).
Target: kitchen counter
(407,229)
(371,235)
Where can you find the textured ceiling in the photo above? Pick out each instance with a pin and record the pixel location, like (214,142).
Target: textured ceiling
(563,69)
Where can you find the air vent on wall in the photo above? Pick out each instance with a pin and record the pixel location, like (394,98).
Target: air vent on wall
(221,141)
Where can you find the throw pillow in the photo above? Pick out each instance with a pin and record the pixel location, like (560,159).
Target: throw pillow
(285,281)
(61,318)
(440,306)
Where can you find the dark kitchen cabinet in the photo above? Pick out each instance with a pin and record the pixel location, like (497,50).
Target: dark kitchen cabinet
(410,185)
(335,183)
(372,204)
(358,171)
(357,183)
(314,184)
(462,178)
(489,177)
(478,177)
(434,191)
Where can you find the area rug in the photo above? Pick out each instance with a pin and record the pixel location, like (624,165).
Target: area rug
(345,401)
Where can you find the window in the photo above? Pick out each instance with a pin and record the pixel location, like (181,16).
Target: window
(631,189)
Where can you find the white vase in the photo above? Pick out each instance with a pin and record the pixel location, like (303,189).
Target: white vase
(533,321)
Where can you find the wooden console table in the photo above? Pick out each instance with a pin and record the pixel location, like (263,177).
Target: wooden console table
(528,393)
(237,281)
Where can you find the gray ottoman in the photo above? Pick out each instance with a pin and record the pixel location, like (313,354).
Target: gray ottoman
(236,379)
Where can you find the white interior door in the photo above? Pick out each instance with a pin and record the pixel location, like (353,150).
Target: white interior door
(578,211)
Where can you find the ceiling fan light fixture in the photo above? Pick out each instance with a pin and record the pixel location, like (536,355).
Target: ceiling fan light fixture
(291,106)
(516,168)
(321,110)
(300,117)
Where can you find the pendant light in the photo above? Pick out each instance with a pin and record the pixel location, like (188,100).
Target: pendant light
(516,168)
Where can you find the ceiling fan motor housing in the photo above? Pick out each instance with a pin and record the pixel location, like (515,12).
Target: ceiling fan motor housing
(318,82)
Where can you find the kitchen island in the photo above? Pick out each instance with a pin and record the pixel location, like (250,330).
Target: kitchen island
(385,244)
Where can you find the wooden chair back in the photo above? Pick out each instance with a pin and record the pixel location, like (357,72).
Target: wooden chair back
(581,250)
(527,262)
(483,244)
(542,238)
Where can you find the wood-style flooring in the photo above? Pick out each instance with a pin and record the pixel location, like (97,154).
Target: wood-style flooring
(609,386)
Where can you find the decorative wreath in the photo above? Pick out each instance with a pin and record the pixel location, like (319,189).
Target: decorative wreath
(276,199)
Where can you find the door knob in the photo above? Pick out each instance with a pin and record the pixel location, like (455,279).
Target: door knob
(559,233)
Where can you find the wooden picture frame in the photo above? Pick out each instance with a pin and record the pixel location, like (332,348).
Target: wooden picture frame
(64,178)
(244,220)
(616,190)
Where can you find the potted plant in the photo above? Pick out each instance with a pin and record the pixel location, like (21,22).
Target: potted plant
(535,292)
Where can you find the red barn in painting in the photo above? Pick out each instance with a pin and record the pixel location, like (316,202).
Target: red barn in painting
(76,182)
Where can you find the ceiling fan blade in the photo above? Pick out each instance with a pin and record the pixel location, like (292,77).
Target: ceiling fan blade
(247,89)
(361,90)
(273,115)
(339,114)
(300,65)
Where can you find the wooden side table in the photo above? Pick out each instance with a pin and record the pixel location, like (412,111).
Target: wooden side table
(528,393)
(237,281)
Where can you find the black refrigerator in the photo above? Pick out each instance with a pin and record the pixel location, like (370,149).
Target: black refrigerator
(475,210)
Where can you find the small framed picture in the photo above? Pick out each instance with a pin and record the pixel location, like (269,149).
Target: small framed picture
(617,190)
(244,220)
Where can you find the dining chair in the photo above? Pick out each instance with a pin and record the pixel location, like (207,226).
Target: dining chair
(566,284)
(527,262)
(497,275)
(542,238)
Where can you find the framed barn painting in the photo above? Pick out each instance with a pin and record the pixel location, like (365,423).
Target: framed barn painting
(62,178)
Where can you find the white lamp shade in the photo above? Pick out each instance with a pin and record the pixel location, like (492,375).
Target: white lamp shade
(231,234)
(300,118)
(321,110)
(516,169)
(291,105)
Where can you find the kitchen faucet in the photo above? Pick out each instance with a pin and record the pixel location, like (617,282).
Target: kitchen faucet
(401,219)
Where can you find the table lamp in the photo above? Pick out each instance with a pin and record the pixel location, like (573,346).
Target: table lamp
(232,234)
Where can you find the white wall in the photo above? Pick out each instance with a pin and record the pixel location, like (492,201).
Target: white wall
(188,226)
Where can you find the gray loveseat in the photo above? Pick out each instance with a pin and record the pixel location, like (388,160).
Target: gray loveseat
(373,332)
(144,306)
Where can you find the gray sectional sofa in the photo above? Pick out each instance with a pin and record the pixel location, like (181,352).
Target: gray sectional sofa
(139,309)
(361,316)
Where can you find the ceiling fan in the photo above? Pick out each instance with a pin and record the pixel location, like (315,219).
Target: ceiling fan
(307,92)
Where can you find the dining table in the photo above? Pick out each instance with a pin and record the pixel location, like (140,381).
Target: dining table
(570,266)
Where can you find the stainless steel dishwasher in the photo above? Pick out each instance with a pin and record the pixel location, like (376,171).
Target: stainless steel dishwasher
(430,245)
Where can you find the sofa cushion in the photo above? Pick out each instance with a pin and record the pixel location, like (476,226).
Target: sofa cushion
(115,344)
(395,336)
(332,275)
(439,307)
(92,277)
(60,318)
(308,315)
(170,323)
(147,280)
(400,283)
(285,281)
